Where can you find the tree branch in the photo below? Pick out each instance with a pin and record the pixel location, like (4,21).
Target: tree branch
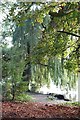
(59,14)
(69,33)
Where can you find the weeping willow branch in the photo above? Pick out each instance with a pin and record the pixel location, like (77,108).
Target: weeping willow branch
(69,33)
(45,65)
(26,10)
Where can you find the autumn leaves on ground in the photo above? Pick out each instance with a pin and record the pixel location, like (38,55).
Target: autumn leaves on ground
(38,110)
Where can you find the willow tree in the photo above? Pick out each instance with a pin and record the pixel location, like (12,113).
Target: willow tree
(58,38)
(60,35)
(27,37)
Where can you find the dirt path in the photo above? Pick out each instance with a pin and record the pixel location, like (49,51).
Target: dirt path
(44,99)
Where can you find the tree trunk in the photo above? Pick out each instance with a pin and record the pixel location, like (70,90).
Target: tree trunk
(78,57)
(78,61)
(27,71)
(13,91)
(62,62)
(78,86)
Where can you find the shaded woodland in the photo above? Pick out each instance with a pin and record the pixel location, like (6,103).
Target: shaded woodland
(40,42)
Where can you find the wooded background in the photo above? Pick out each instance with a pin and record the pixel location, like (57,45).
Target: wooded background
(45,44)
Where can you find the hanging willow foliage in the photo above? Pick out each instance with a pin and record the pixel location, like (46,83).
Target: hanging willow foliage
(49,45)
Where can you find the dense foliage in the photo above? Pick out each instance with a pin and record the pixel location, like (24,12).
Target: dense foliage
(46,44)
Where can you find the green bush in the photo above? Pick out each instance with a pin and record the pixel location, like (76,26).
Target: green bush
(24,97)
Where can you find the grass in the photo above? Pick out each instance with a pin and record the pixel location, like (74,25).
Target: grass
(72,103)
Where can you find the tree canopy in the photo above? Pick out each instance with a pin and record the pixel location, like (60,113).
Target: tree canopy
(46,43)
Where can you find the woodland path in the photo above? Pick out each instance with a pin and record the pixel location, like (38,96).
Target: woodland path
(38,97)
